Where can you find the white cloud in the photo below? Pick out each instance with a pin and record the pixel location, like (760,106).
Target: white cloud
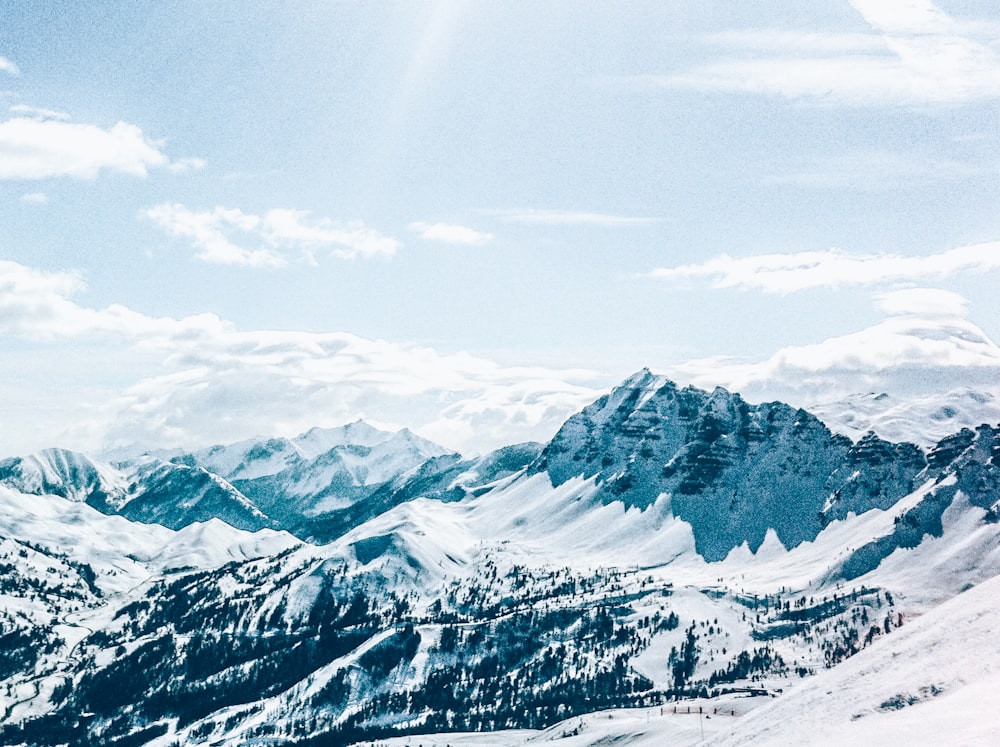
(787,273)
(923,348)
(925,301)
(914,55)
(8,66)
(39,148)
(570,218)
(38,305)
(199,380)
(273,236)
(24,110)
(904,16)
(35,198)
(186,165)
(207,232)
(449,233)
(345,240)
(243,384)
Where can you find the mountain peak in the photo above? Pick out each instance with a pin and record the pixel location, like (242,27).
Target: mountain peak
(640,378)
(316,441)
(730,469)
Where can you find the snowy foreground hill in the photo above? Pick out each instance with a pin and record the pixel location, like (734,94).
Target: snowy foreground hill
(675,566)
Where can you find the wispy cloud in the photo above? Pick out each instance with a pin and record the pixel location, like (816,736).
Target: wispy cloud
(914,55)
(787,273)
(570,218)
(24,110)
(230,236)
(796,42)
(38,148)
(35,198)
(208,231)
(186,165)
(203,381)
(449,233)
(874,169)
(922,301)
(8,66)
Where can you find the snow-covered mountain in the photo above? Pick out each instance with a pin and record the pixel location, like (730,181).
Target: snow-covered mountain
(147,489)
(925,684)
(733,471)
(311,485)
(366,454)
(316,485)
(669,547)
(922,420)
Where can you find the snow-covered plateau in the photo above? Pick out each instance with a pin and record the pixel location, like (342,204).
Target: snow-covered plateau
(674,567)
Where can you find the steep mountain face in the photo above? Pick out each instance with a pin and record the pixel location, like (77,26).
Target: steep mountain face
(963,471)
(176,495)
(730,469)
(446,478)
(316,486)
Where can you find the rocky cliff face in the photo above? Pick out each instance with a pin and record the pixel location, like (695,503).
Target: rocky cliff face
(966,467)
(730,469)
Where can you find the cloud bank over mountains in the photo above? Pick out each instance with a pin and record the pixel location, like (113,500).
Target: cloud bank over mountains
(200,380)
(925,346)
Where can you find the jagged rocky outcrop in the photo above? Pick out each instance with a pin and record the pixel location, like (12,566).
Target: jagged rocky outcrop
(731,469)
(966,464)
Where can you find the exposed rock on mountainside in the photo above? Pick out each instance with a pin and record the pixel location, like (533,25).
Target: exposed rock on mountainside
(732,470)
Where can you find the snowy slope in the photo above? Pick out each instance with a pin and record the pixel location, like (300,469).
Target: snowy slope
(311,485)
(923,420)
(314,484)
(66,473)
(147,489)
(121,552)
(935,681)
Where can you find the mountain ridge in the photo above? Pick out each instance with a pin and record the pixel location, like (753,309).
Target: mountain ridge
(668,543)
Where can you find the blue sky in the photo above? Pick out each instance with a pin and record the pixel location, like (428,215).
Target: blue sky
(227,219)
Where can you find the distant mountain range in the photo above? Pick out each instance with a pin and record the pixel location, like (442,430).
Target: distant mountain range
(352,584)
(316,486)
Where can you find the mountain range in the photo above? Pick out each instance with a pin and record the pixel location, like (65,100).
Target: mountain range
(667,546)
